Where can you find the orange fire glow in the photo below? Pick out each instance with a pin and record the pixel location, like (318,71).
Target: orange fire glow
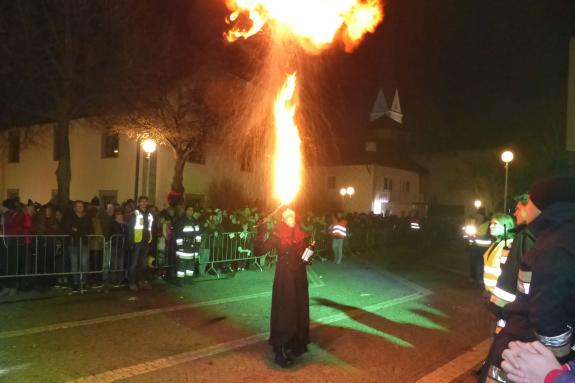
(288,158)
(315,23)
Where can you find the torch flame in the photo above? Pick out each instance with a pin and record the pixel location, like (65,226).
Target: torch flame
(315,23)
(288,156)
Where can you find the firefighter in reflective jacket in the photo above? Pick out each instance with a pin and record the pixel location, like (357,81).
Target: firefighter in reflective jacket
(543,309)
(506,288)
(497,253)
(188,238)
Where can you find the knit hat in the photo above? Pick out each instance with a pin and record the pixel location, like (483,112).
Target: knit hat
(548,191)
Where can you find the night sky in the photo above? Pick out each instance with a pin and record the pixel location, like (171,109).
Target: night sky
(470,73)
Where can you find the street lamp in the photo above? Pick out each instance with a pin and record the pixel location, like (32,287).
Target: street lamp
(350,190)
(343,192)
(149,146)
(507,157)
(477,204)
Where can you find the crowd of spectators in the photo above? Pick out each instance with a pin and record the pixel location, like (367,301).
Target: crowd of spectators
(54,244)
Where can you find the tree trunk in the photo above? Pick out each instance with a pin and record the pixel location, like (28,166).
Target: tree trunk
(178,179)
(63,172)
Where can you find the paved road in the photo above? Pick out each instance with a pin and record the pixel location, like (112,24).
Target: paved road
(399,321)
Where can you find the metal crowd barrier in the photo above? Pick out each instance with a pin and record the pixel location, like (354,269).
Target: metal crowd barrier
(60,256)
(93,260)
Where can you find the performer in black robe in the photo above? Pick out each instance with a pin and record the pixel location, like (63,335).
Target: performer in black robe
(289,327)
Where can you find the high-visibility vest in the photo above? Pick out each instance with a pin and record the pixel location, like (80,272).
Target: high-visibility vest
(339,231)
(493,258)
(139,226)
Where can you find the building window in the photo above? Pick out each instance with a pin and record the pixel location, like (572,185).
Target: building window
(110,145)
(12,193)
(14,147)
(387,184)
(331,182)
(371,146)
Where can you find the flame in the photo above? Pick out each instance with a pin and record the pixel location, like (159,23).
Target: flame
(315,23)
(288,157)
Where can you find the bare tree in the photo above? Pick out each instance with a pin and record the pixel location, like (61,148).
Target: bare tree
(179,119)
(61,56)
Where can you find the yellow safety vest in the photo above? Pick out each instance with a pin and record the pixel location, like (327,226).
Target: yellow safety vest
(495,255)
(139,226)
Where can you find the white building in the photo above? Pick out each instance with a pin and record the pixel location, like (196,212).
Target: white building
(384,178)
(105,166)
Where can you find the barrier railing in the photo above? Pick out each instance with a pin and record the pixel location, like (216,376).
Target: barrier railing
(95,260)
(34,256)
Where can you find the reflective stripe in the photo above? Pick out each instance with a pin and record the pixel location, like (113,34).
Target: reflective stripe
(489,282)
(557,340)
(184,255)
(500,325)
(492,270)
(483,242)
(497,375)
(181,274)
(189,273)
(197,228)
(179,241)
(188,229)
(523,287)
(500,293)
(198,238)
(503,260)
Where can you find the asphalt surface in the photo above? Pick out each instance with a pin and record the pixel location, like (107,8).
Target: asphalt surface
(396,316)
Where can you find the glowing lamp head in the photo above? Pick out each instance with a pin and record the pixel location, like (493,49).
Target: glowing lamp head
(470,230)
(149,146)
(477,204)
(343,192)
(507,156)
(350,191)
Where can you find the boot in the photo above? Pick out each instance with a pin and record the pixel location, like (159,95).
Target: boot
(282,358)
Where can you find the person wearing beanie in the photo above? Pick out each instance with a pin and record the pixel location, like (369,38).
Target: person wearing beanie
(543,308)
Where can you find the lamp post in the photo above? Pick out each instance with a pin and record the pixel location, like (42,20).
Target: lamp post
(507,157)
(149,146)
(477,203)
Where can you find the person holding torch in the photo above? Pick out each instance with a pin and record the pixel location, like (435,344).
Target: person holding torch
(289,325)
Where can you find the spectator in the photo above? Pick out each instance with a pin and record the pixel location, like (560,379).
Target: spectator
(139,238)
(78,227)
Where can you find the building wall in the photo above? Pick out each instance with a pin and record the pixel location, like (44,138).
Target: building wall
(571,98)
(369,187)
(453,179)
(34,175)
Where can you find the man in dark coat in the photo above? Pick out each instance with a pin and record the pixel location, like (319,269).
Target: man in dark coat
(289,327)
(523,240)
(543,309)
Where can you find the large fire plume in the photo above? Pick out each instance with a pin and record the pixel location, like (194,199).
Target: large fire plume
(314,25)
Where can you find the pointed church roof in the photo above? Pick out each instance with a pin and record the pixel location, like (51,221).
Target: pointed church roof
(380,107)
(395,112)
